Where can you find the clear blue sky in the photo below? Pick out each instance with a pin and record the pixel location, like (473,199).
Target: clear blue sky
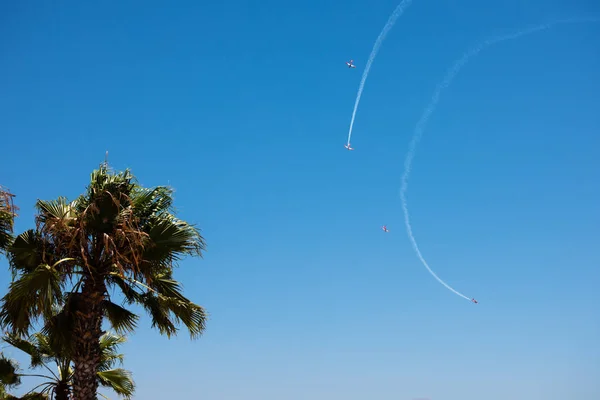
(244,107)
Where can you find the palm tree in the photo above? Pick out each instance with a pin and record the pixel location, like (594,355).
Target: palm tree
(59,384)
(7,216)
(116,237)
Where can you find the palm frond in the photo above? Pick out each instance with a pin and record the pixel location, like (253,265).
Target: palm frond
(34,396)
(150,202)
(109,342)
(27,347)
(160,316)
(116,279)
(119,380)
(168,287)
(172,238)
(9,376)
(28,396)
(109,355)
(166,312)
(26,252)
(58,329)
(121,319)
(43,345)
(56,211)
(105,197)
(164,302)
(30,296)
(191,315)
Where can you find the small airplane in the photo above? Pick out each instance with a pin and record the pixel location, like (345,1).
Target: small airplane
(385,229)
(474,301)
(348,147)
(350,64)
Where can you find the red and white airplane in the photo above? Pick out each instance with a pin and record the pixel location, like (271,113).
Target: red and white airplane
(385,229)
(350,64)
(348,147)
(474,301)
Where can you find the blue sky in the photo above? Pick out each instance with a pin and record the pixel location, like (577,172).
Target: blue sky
(244,108)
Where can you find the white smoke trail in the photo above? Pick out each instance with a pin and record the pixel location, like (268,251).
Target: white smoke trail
(450,75)
(389,24)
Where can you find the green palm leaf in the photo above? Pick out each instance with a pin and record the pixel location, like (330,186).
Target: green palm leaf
(109,355)
(26,251)
(118,380)
(53,211)
(121,319)
(26,346)
(191,315)
(8,372)
(31,295)
(159,314)
(151,202)
(172,237)
(115,279)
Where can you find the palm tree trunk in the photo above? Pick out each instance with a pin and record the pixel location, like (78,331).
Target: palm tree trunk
(87,332)
(62,391)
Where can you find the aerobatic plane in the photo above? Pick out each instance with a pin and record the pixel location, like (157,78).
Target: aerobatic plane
(385,229)
(474,301)
(350,64)
(348,147)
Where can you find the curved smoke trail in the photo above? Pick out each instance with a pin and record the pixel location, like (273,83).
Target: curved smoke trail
(450,75)
(389,24)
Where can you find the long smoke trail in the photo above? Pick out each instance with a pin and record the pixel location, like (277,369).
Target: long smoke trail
(389,24)
(450,75)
